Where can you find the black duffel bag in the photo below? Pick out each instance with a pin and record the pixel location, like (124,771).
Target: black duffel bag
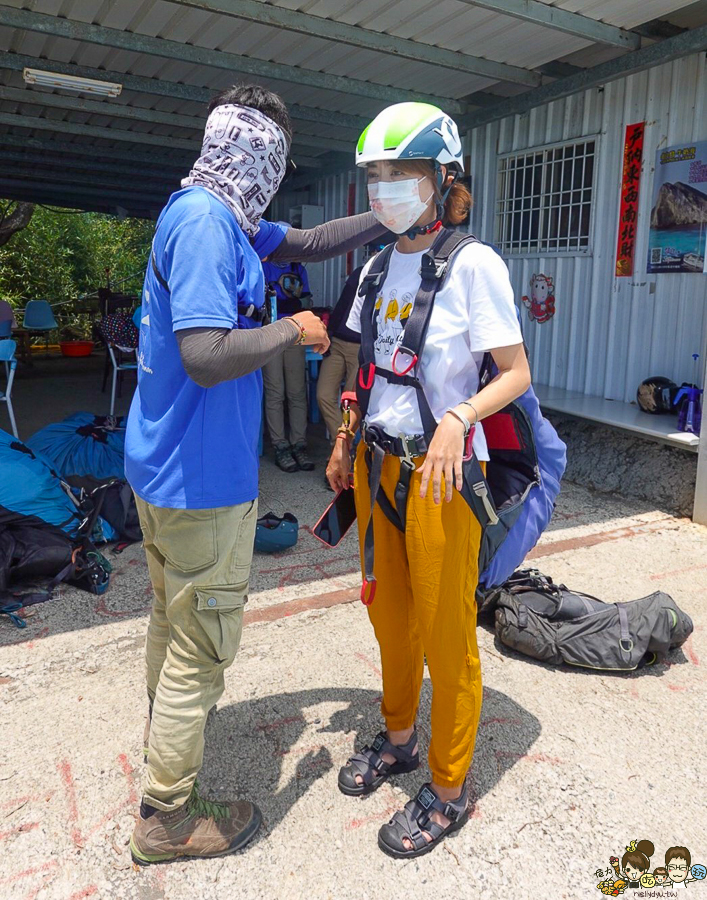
(551,623)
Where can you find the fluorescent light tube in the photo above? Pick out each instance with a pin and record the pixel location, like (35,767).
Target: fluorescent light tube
(72,83)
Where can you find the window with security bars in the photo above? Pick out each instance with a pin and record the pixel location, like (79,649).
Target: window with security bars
(545,199)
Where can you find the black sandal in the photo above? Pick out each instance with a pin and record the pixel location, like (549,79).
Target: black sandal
(370,760)
(414,820)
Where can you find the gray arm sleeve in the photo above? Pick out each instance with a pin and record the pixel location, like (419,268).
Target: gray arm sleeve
(213,355)
(327,240)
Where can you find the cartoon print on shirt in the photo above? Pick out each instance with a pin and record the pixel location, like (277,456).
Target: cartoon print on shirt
(391,323)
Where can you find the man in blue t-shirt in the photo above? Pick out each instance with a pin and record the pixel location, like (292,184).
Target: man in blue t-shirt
(191,446)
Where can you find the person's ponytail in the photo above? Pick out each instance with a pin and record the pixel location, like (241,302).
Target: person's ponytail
(457,204)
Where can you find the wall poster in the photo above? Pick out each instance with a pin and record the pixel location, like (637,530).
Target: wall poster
(678,226)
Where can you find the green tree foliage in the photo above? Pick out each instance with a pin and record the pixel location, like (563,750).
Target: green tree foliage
(62,256)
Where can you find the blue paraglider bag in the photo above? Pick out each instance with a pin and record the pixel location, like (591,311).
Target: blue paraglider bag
(45,530)
(84,444)
(523,475)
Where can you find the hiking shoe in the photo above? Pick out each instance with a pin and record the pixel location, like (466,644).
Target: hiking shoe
(199,828)
(283,457)
(299,451)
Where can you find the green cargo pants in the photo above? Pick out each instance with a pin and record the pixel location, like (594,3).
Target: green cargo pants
(199,563)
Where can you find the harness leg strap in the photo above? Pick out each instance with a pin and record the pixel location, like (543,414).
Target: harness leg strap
(375,470)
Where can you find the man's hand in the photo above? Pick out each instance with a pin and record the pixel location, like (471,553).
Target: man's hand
(317,337)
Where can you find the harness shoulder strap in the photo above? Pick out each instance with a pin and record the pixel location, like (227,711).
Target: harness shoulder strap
(156,272)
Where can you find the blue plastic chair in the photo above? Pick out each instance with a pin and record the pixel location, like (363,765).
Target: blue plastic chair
(39,318)
(7,355)
(5,329)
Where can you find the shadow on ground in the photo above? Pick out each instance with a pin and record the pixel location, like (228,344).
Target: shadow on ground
(284,747)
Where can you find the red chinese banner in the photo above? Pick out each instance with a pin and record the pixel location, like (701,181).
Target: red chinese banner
(628,214)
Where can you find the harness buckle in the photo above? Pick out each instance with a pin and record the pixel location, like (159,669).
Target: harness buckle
(432,268)
(412,365)
(406,447)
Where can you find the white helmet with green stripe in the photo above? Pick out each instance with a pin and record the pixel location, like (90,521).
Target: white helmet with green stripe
(412,131)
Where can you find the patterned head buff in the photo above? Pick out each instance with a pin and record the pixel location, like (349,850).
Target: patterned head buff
(243,159)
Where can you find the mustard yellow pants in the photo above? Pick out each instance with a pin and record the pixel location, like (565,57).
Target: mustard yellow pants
(425,607)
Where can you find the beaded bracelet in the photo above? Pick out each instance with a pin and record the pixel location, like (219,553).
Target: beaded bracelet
(302,331)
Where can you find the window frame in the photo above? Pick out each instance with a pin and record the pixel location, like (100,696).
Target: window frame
(499,215)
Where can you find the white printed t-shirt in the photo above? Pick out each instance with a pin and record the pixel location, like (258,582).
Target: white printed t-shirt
(473,312)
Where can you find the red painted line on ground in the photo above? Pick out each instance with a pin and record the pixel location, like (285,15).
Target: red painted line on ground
(302,604)
(129,772)
(369,662)
(661,575)
(69,785)
(531,757)
(101,607)
(690,650)
(677,687)
(86,892)
(598,537)
(281,723)
(35,870)
(20,829)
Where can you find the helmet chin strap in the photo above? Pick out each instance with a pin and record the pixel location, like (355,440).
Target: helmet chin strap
(435,225)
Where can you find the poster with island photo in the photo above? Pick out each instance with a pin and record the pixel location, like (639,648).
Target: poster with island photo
(678,227)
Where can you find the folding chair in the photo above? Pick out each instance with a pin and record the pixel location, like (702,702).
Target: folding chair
(39,319)
(119,365)
(7,355)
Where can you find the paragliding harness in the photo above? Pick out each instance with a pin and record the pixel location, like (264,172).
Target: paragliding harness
(495,497)
(248,310)
(84,566)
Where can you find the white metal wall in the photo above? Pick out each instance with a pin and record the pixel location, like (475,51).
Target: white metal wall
(608,333)
(331,193)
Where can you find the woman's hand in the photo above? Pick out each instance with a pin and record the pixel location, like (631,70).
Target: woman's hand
(444,458)
(339,467)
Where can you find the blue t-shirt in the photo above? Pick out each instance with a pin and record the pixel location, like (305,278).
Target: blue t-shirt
(270,235)
(189,447)
(286,305)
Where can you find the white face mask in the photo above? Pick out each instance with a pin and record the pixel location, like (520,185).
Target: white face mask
(397,204)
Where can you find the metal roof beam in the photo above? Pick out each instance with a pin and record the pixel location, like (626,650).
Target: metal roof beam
(139,114)
(144,185)
(148,200)
(78,149)
(692,41)
(172,89)
(49,159)
(52,26)
(98,131)
(356,36)
(561,19)
(72,200)
(115,134)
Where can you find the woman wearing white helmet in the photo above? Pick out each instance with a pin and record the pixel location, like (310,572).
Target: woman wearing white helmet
(417,415)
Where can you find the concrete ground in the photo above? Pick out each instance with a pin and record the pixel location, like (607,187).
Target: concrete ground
(570,766)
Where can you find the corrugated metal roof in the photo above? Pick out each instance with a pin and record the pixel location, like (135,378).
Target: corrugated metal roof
(450,24)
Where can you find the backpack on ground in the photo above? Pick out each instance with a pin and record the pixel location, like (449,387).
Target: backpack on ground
(553,624)
(515,499)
